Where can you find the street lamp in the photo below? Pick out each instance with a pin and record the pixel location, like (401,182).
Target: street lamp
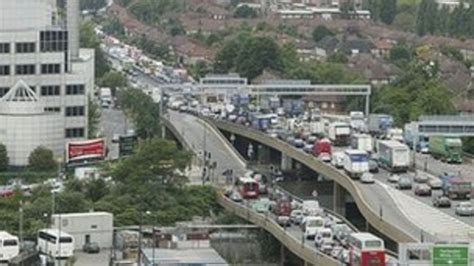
(153,240)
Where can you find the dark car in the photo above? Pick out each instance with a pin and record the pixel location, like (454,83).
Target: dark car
(441,201)
(422,190)
(373,166)
(91,247)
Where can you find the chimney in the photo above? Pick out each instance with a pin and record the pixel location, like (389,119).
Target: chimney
(72,8)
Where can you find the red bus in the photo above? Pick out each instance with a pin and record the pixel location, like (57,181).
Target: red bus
(248,188)
(366,249)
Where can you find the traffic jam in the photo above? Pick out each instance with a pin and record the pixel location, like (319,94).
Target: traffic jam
(329,234)
(361,147)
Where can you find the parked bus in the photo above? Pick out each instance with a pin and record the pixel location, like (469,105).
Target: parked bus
(58,244)
(9,247)
(366,249)
(248,188)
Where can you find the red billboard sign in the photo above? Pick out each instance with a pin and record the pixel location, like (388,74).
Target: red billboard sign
(83,150)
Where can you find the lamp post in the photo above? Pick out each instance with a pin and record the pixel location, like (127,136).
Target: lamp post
(153,241)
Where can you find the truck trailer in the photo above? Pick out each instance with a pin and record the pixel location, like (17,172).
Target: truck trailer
(339,133)
(411,135)
(362,142)
(447,149)
(393,155)
(455,187)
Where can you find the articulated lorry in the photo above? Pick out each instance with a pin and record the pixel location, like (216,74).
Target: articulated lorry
(393,155)
(379,124)
(411,135)
(339,133)
(447,149)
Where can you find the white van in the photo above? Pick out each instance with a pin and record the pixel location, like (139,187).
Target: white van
(311,226)
(338,159)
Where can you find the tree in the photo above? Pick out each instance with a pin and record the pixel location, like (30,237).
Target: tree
(427,15)
(42,159)
(245,11)
(388,11)
(320,32)
(400,52)
(154,163)
(114,80)
(92,4)
(140,108)
(4,160)
(93,119)
(88,39)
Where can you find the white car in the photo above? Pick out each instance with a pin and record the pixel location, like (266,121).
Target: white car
(435,183)
(296,216)
(235,196)
(393,178)
(421,177)
(367,178)
(338,159)
(464,209)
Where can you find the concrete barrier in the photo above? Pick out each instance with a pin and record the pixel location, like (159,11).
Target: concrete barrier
(309,255)
(367,211)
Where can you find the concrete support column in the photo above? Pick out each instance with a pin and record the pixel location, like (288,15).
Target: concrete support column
(286,162)
(282,255)
(339,199)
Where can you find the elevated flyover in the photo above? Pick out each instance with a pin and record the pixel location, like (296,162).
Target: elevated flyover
(381,206)
(191,131)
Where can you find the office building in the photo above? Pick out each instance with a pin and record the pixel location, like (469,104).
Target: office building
(45,79)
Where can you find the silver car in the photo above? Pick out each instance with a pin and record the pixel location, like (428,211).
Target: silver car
(464,209)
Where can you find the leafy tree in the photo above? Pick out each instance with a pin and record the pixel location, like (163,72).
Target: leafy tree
(405,21)
(96,189)
(427,16)
(112,26)
(388,11)
(92,4)
(144,113)
(114,80)
(42,159)
(400,52)
(338,57)
(4,160)
(245,11)
(88,39)
(93,119)
(320,32)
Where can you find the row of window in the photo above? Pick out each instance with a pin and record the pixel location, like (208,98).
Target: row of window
(21,47)
(53,41)
(71,111)
(30,69)
(77,132)
(52,90)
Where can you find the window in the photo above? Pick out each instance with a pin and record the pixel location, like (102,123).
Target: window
(52,109)
(10,242)
(3,91)
(25,47)
(75,111)
(65,239)
(4,70)
(4,48)
(25,69)
(53,41)
(50,69)
(94,226)
(75,89)
(50,90)
(47,237)
(77,132)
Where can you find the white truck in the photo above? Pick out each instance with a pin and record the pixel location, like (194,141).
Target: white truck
(362,142)
(358,121)
(393,155)
(105,97)
(356,163)
(395,134)
(339,133)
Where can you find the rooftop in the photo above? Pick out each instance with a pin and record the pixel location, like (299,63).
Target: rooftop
(83,214)
(201,256)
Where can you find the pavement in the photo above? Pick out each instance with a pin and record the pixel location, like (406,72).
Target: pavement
(84,259)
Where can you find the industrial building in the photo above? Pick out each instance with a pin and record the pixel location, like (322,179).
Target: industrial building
(87,227)
(45,79)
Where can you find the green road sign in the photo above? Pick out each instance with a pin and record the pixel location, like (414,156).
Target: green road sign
(127,145)
(446,255)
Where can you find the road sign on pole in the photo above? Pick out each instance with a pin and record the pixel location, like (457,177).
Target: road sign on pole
(445,255)
(127,145)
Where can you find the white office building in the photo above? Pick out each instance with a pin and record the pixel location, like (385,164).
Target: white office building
(45,79)
(87,227)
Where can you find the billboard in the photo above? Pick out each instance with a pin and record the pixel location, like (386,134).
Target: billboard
(85,150)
